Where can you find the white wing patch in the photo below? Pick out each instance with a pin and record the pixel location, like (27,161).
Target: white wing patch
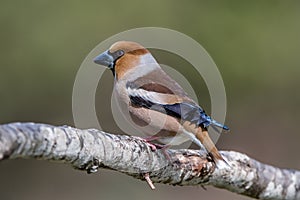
(154,97)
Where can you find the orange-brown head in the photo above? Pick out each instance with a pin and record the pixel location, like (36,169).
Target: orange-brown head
(121,57)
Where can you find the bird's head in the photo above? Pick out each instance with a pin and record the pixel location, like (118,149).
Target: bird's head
(124,56)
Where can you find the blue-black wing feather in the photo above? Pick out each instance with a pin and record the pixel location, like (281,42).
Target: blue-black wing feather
(185,111)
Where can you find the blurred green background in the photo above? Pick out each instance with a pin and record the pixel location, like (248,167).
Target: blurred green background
(255,44)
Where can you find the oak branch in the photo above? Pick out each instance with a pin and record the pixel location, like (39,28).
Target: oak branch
(92,149)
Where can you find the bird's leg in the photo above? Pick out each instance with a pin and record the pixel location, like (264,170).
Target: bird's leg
(164,149)
(148,140)
(154,147)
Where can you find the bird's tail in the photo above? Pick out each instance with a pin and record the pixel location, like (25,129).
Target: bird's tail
(203,140)
(210,147)
(215,123)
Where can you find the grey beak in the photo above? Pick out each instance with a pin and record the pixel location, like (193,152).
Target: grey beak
(105,59)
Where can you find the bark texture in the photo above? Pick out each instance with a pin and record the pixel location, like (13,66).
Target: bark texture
(92,149)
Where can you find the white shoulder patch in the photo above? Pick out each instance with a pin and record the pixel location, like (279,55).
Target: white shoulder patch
(146,95)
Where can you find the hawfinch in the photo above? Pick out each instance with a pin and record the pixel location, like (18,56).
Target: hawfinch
(155,101)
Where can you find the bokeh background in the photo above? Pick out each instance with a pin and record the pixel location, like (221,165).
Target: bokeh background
(255,44)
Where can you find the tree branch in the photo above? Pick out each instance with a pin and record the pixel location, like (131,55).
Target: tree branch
(92,149)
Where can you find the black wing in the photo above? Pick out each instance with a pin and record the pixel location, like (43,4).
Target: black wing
(185,111)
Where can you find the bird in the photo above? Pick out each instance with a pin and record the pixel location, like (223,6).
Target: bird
(150,95)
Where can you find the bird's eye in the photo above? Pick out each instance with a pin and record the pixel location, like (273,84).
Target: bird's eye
(120,53)
(117,54)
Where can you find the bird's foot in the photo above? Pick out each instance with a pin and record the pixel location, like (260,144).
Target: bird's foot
(155,146)
(152,146)
(164,149)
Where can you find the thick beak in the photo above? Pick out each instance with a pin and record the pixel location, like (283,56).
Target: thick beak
(105,59)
